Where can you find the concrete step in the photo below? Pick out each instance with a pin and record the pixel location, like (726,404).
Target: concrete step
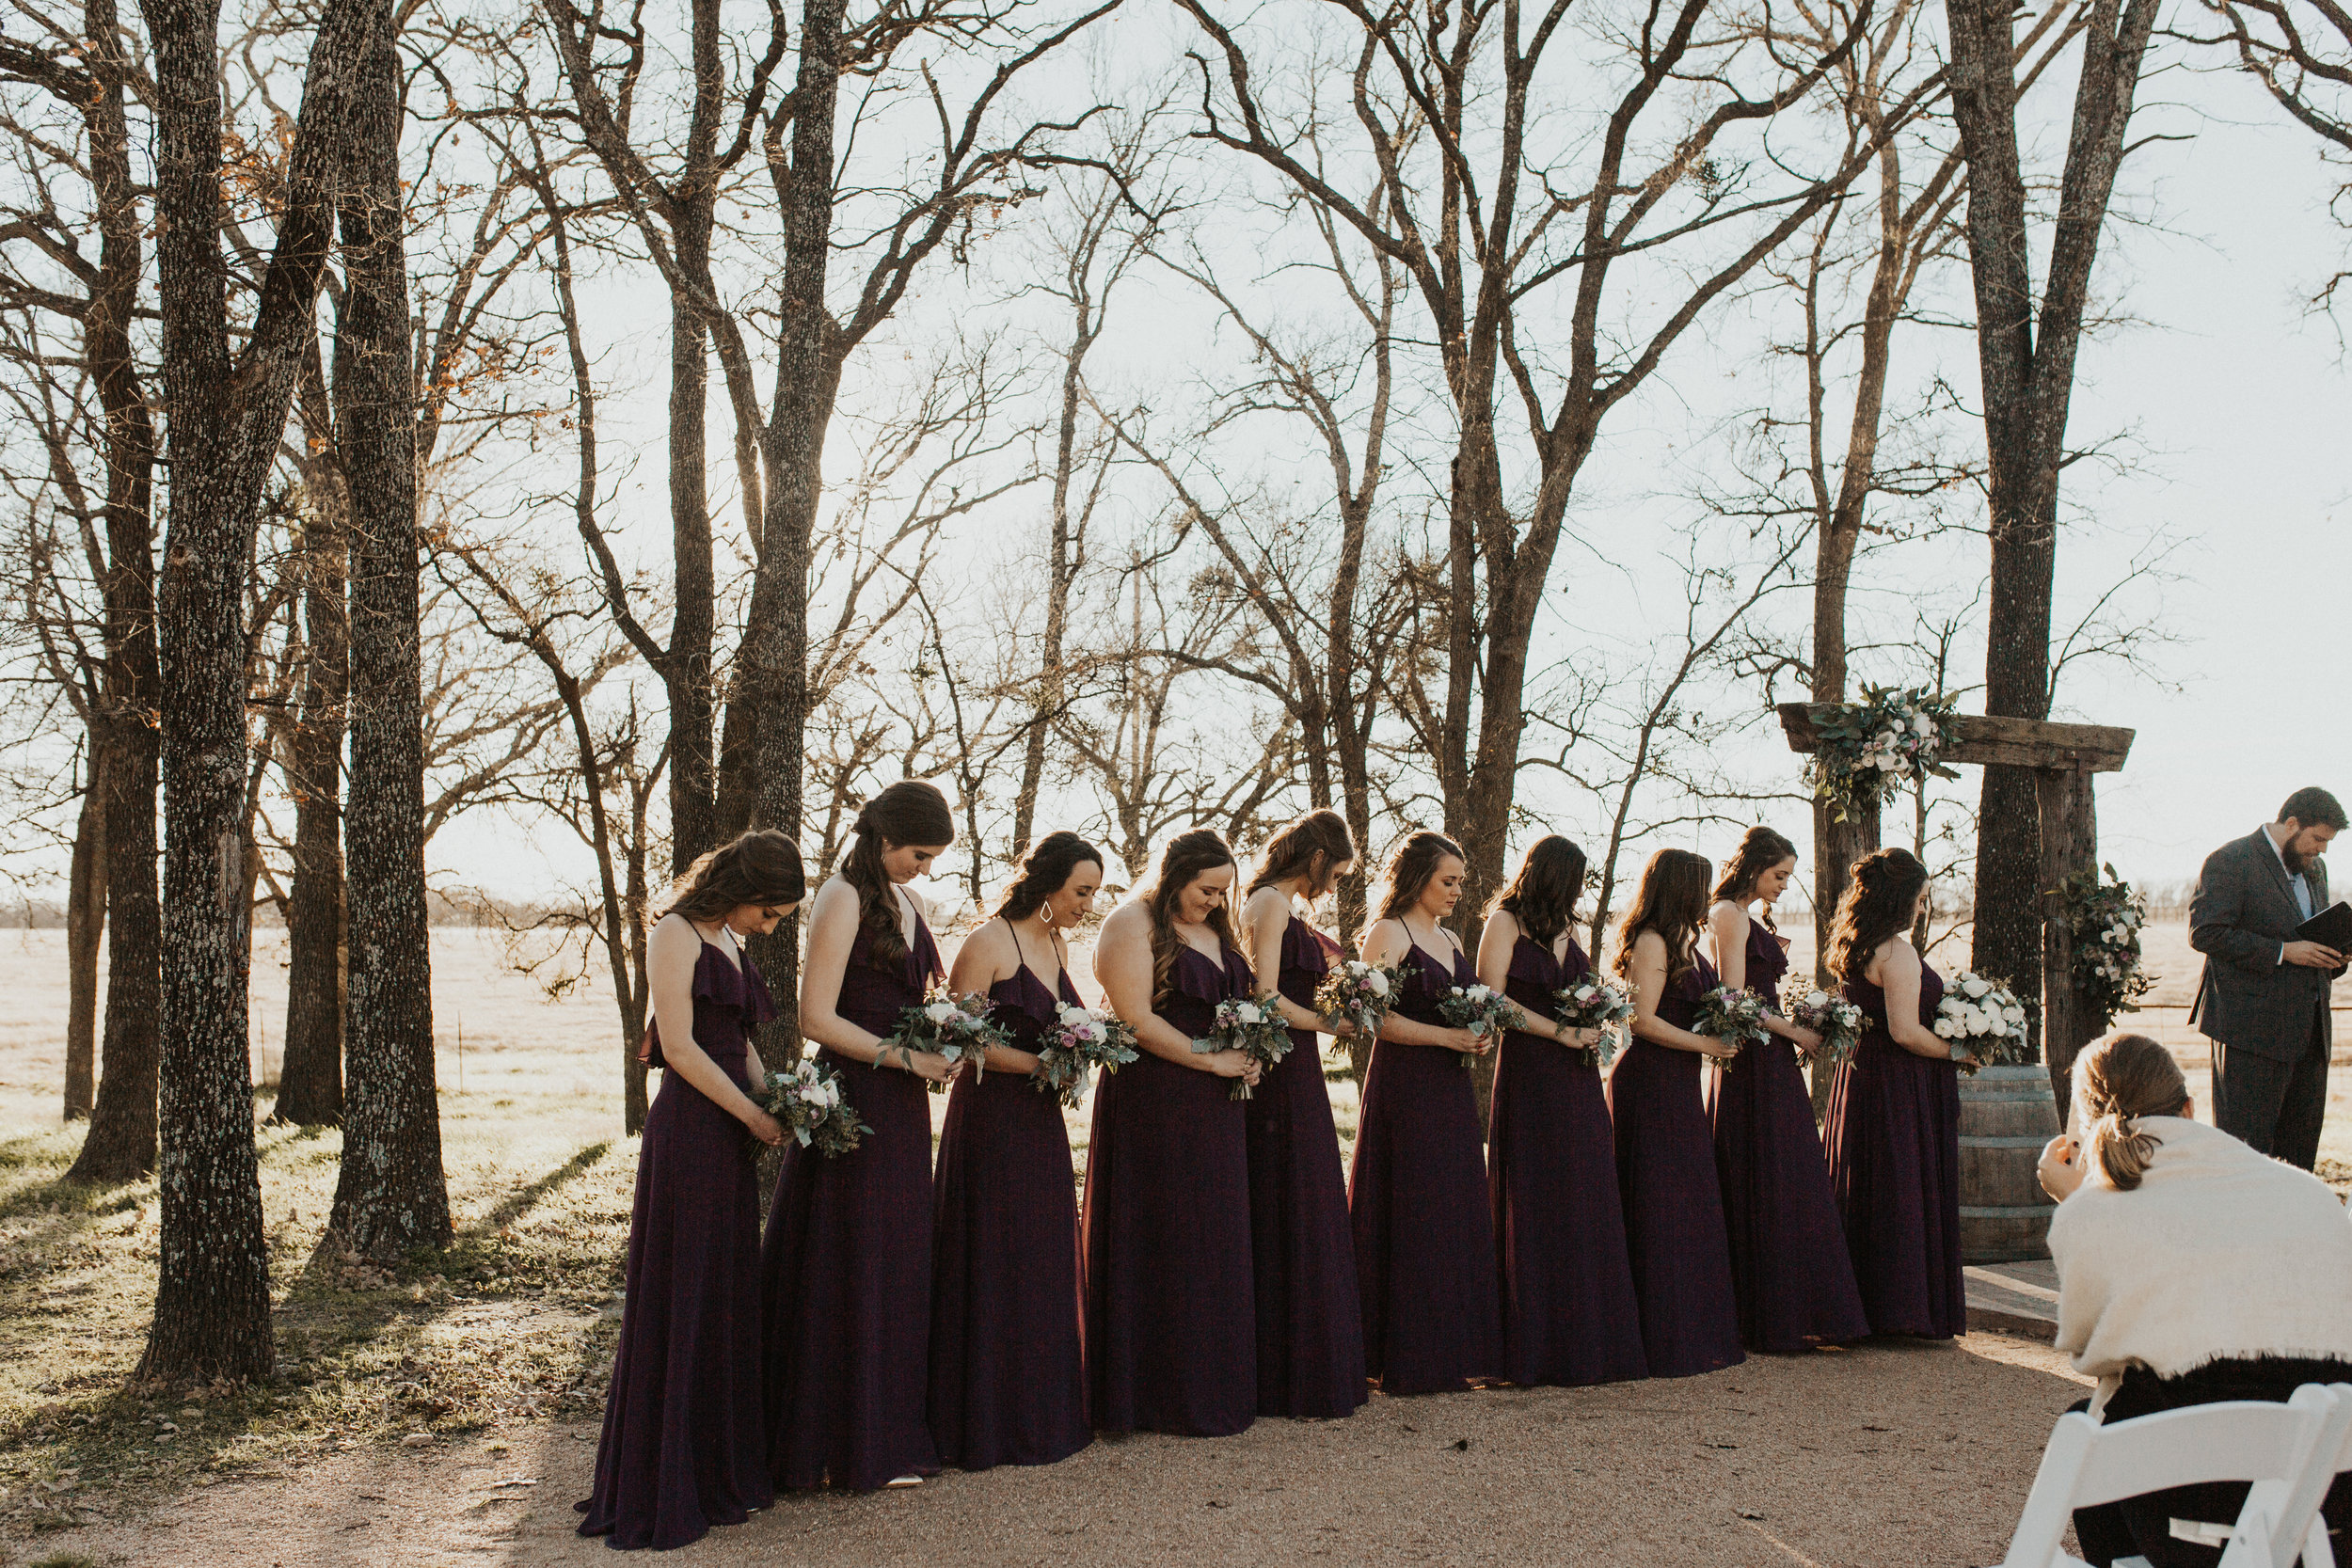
(2019,1299)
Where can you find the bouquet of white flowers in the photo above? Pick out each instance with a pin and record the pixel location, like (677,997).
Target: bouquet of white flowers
(1251,1026)
(957,1027)
(1358,991)
(1596,1002)
(1078,1039)
(1829,1015)
(1734,1017)
(1984,1022)
(1481,1009)
(809,1101)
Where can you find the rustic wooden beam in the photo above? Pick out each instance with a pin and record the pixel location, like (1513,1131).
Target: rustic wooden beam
(2070,844)
(1981,739)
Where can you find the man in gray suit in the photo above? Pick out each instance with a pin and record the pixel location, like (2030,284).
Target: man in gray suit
(2263,999)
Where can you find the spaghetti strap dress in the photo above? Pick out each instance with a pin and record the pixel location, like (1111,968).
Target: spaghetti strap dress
(1674,1206)
(1789,1271)
(1894,1162)
(1008,1370)
(1569,1316)
(1310,1336)
(847,1264)
(1425,1239)
(1171,1340)
(684,1446)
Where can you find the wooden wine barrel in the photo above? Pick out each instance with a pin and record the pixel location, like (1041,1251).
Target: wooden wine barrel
(2006,1117)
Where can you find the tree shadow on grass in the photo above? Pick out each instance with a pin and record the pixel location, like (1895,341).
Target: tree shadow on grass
(517,1204)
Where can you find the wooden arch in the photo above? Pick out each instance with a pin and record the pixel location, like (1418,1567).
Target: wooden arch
(2064,758)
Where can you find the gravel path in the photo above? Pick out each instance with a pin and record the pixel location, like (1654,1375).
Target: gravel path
(1893,1453)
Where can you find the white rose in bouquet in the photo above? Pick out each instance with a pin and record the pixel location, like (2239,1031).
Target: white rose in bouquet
(940,1012)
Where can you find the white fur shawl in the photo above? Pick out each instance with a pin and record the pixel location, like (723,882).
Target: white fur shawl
(2220,1252)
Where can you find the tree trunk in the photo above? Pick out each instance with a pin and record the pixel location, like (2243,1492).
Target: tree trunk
(229,412)
(120,1143)
(2026,365)
(808,377)
(311,1080)
(391,1196)
(84,922)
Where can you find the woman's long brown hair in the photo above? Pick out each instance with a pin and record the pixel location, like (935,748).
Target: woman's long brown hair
(1880,895)
(1187,855)
(1760,850)
(908,811)
(1671,901)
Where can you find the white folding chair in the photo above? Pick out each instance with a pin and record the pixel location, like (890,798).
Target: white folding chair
(2276,1447)
(2300,1517)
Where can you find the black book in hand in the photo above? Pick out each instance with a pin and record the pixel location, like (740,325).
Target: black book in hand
(2331,927)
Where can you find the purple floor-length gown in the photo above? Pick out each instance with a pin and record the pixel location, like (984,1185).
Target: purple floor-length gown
(1789,1271)
(1674,1206)
(1172,1341)
(1568,1310)
(684,1446)
(1894,1164)
(847,1263)
(1310,1336)
(1007,1362)
(1424,1242)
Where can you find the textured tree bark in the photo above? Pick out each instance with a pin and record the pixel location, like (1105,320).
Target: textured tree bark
(228,410)
(391,1195)
(808,375)
(311,1081)
(120,1143)
(85,923)
(2026,361)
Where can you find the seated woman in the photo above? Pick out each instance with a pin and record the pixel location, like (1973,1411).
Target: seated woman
(2191,1269)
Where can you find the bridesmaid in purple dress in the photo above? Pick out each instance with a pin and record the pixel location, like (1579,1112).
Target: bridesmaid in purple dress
(1311,1336)
(1424,1242)
(1788,1265)
(1172,1341)
(1674,1206)
(1007,1369)
(1893,1110)
(848,1253)
(684,1446)
(1568,1311)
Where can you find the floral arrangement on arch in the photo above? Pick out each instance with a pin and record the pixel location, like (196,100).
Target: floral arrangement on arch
(1867,750)
(2105,918)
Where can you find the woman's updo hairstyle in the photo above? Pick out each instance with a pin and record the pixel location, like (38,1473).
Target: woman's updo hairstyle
(908,811)
(1411,864)
(1878,898)
(1182,863)
(1760,850)
(1046,870)
(762,866)
(2118,1079)
(1542,893)
(1314,846)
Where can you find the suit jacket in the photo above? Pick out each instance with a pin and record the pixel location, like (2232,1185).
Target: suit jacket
(2243,909)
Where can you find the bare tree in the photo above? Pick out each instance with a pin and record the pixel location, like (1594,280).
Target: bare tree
(1502,229)
(2026,353)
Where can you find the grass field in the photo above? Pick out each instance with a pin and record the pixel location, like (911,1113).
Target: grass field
(509,1328)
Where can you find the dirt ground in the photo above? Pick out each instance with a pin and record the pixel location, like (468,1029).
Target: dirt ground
(1890,1453)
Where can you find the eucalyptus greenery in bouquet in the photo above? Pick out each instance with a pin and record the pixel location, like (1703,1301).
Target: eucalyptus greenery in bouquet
(1481,1009)
(1596,1002)
(807,1099)
(2104,919)
(1254,1027)
(1829,1015)
(1733,1016)
(957,1027)
(1079,1039)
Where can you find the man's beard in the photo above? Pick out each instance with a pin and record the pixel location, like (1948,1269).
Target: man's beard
(2294,858)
